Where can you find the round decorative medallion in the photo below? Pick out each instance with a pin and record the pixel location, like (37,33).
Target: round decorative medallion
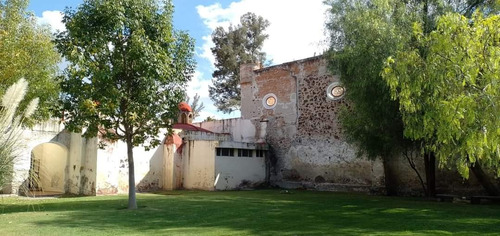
(269,101)
(335,91)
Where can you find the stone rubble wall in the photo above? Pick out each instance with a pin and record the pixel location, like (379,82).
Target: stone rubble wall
(302,130)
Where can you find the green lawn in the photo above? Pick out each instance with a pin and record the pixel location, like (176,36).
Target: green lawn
(266,212)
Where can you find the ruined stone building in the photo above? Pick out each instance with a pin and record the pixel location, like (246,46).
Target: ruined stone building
(288,136)
(296,105)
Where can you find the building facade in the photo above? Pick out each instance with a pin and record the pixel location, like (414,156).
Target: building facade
(288,136)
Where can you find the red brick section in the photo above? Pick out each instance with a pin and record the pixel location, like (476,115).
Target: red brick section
(277,81)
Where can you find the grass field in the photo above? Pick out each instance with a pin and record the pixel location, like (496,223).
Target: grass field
(263,212)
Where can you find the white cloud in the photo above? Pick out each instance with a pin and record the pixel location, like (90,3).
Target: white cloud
(198,85)
(54,19)
(206,52)
(296,30)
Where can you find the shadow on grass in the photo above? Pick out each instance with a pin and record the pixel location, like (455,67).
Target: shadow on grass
(265,213)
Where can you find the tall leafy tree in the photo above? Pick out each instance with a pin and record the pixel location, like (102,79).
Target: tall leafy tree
(27,51)
(128,71)
(364,33)
(450,97)
(238,45)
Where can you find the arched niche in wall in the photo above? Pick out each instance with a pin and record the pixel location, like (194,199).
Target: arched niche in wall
(47,170)
(184,118)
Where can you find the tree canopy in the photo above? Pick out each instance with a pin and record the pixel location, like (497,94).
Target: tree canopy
(128,71)
(363,34)
(27,51)
(450,97)
(238,45)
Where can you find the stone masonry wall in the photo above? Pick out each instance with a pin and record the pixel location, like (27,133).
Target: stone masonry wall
(302,130)
(319,150)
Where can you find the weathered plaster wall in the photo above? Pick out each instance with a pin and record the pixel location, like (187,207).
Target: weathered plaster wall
(112,168)
(112,172)
(72,160)
(302,130)
(450,181)
(85,169)
(447,179)
(50,131)
(241,130)
(199,164)
(151,169)
(52,158)
(88,169)
(81,166)
(239,172)
(172,173)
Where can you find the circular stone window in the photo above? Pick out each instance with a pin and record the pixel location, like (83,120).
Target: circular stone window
(335,91)
(269,101)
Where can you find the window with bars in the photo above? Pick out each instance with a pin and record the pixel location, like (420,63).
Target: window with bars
(260,153)
(245,152)
(228,152)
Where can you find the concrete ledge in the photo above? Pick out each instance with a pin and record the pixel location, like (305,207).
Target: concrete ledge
(333,187)
(242,145)
(52,125)
(477,199)
(197,135)
(446,197)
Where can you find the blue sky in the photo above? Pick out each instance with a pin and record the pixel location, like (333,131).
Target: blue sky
(296,31)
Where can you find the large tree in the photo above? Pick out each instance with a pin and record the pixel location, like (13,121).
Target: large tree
(449,97)
(238,45)
(128,71)
(26,51)
(363,33)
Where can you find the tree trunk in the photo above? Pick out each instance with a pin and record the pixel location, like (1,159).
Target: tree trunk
(484,180)
(132,203)
(412,164)
(430,173)
(391,185)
